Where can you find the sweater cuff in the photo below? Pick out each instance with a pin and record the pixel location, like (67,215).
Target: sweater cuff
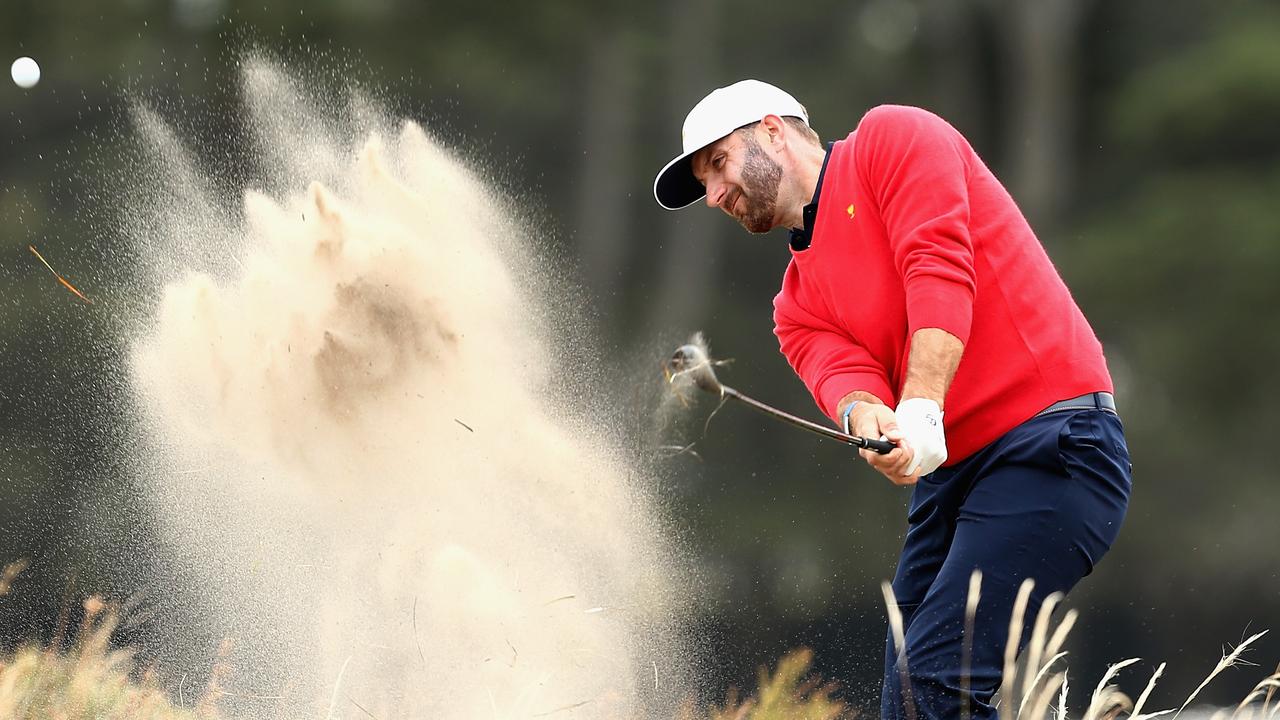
(939,304)
(834,388)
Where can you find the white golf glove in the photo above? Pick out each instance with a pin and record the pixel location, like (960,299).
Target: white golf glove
(920,420)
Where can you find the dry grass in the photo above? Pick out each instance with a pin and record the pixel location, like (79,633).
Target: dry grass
(89,680)
(92,680)
(1038,691)
(1035,691)
(791,692)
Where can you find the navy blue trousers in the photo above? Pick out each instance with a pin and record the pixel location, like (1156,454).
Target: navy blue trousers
(1045,501)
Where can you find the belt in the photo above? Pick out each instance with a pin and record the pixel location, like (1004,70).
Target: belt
(1089,401)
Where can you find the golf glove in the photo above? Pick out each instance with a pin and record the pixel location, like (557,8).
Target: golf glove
(920,420)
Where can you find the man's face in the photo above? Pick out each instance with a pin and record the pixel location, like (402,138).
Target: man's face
(741,179)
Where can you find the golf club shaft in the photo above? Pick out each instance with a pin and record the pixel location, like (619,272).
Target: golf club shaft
(883,447)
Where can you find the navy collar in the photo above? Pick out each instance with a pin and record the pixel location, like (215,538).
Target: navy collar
(802,236)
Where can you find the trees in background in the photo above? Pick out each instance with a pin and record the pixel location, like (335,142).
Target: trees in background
(1139,137)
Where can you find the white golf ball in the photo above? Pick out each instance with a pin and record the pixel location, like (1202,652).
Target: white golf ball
(25,72)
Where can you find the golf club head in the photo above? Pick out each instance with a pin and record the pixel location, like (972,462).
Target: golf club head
(691,361)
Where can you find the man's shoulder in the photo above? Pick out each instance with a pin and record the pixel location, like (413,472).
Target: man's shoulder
(900,116)
(893,132)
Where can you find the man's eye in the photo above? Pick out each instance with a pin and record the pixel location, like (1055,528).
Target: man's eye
(718,162)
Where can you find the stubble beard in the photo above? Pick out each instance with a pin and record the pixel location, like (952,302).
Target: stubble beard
(761,178)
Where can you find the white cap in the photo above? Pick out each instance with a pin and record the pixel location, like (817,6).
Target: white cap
(726,109)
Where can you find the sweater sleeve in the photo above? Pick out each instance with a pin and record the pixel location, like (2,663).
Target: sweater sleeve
(830,363)
(916,168)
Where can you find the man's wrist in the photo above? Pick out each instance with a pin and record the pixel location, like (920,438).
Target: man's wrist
(844,420)
(910,394)
(853,403)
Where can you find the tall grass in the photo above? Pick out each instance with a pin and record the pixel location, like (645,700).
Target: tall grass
(790,692)
(1035,689)
(91,679)
(87,680)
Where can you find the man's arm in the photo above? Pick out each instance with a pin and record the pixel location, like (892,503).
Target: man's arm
(821,352)
(931,366)
(917,167)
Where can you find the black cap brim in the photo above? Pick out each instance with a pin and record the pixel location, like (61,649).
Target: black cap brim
(676,187)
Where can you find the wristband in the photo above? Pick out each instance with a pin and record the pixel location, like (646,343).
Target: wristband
(845,418)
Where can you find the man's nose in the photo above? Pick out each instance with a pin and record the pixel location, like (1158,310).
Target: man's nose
(715,193)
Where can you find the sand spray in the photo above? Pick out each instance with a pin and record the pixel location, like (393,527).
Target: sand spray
(364,454)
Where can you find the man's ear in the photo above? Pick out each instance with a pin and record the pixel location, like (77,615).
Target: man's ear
(775,127)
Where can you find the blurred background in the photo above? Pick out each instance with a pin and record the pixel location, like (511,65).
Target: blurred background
(1141,139)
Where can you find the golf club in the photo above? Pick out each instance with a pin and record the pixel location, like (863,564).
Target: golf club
(692,360)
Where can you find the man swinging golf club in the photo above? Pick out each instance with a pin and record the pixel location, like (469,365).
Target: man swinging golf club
(916,292)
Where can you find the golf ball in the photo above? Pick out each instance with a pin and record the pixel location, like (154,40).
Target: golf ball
(25,72)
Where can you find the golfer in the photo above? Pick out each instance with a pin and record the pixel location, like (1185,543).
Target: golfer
(919,306)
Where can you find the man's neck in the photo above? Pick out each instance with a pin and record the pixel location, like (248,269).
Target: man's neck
(807,168)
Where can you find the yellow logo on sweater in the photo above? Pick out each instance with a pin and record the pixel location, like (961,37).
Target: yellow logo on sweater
(850,210)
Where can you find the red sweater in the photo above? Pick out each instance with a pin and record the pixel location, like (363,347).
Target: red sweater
(913,231)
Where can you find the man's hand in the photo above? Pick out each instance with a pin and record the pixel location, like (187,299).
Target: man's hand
(875,420)
(920,420)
